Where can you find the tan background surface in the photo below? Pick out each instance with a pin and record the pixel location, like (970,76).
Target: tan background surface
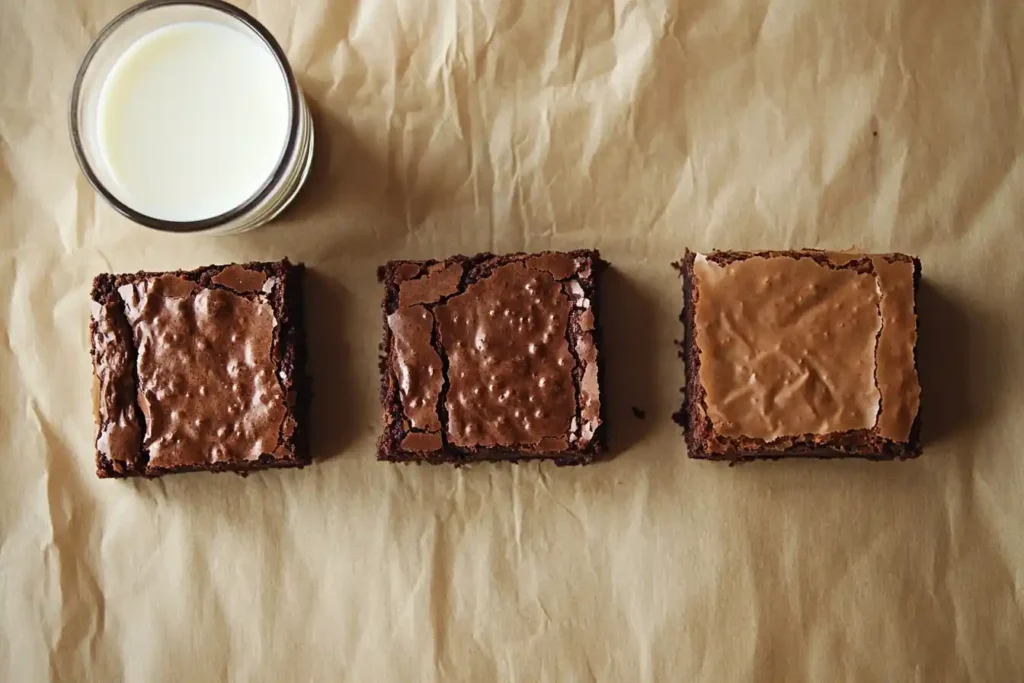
(637,127)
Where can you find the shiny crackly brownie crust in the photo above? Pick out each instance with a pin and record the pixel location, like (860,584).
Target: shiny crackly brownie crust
(113,342)
(585,438)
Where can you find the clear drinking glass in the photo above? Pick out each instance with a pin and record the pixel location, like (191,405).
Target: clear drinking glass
(293,165)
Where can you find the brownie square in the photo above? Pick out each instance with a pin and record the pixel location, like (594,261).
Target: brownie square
(199,370)
(492,358)
(800,353)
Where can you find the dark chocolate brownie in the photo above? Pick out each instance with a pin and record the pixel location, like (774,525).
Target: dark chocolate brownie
(492,358)
(800,353)
(199,370)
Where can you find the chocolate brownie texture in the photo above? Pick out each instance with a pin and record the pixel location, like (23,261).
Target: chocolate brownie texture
(492,358)
(800,353)
(200,370)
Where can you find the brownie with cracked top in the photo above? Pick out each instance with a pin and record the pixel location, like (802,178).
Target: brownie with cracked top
(492,358)
(800,353)
(199,370)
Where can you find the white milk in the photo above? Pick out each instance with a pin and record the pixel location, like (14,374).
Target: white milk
(191,120)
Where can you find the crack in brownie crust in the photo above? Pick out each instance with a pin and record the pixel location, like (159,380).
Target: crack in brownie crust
(862,402)
(502,362)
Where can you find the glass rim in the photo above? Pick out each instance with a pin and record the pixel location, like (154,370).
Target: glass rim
(261,194)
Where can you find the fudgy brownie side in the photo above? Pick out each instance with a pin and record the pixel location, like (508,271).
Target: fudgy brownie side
(701,438)
(475,269)
(288,349)
(691,415)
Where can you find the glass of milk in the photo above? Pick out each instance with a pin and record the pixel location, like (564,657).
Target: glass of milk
(186,117)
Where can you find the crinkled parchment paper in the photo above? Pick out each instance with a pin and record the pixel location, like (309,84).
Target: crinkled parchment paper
(636,127)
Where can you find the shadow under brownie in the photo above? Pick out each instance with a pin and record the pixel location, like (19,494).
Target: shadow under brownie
(492,358)
(199,370)
(800,353)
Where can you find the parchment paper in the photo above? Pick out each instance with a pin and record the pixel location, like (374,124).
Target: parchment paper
(637,127)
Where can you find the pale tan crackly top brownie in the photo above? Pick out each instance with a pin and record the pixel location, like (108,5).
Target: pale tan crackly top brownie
(801,353)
